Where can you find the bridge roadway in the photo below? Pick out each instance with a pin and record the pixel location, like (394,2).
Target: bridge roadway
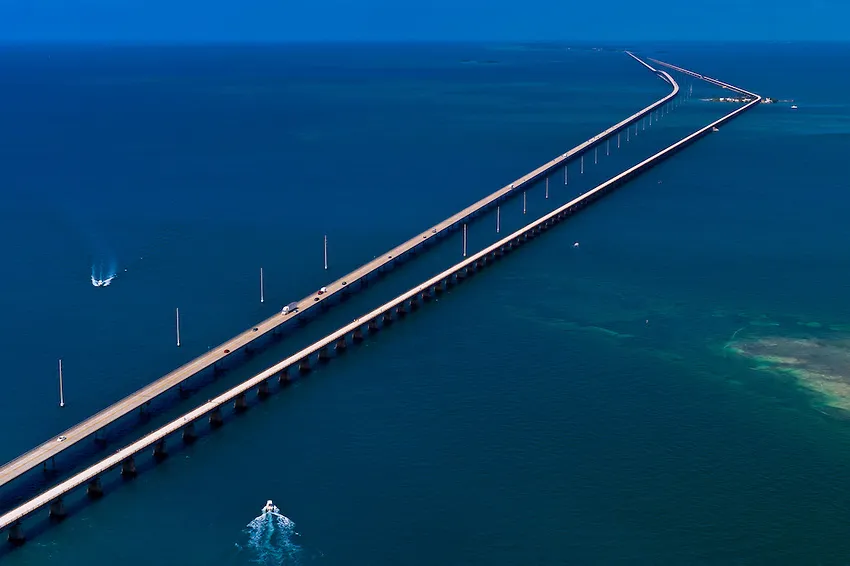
(704,78)
(506,244)
(49,449)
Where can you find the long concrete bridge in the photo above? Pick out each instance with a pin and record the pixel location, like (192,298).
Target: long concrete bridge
(43,453)
(338,341)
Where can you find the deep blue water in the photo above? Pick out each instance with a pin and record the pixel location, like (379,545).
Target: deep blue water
(565,406)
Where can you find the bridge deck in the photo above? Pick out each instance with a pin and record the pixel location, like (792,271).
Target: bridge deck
(44,452)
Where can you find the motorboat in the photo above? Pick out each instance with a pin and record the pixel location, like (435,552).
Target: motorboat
(269,508)
(715,129)
(793,107)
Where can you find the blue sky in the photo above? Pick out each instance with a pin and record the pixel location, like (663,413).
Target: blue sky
(381,20)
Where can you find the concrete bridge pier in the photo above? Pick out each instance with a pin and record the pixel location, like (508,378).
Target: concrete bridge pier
(401,310)
(57,510)
(324,356)
(414,303)
(159,453)
(357,336)
(304,366)
(387,318)
(215,418)
(128,468)
(182,392)
(99,441)
(340,345)
(263,390)
(240,403)
(95,489)
(373,325)
(16,534)
(188,433)
(144,414)
(49,470)
(283,377)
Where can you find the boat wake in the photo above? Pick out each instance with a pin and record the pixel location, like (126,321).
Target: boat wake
(98,279)
(271,538)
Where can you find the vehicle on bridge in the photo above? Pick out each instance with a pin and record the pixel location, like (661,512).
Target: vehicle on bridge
(291,307)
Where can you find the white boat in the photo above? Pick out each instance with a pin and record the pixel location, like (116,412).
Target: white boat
(793,107)
(715,129)
(96,282)
(269,508)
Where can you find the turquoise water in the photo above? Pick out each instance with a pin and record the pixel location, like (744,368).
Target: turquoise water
(566,406)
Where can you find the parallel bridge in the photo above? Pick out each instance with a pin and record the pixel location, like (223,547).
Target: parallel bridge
(43,453)
(373,321)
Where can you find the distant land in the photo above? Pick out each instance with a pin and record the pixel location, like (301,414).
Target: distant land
(765,100)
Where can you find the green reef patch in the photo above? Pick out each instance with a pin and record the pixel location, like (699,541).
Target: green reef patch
(819,364)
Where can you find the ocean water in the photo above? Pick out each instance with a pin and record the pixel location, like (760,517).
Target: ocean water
(568,405)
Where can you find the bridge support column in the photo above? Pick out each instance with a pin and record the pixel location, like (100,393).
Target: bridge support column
(304,365)
(387,319)
(401,310)
(128,468)
(414,302)
(263,390)
(323,354)
(99,441)
(183,393)
(357,336)
(340,345)
(215,418)
(283,377)
(57,510)
(94,490)
(49,470)
(144,415)
(188,433)
(373,325)
(159,453)
(16,534)
(240,403)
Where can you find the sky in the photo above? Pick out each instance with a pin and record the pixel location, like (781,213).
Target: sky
(422,20)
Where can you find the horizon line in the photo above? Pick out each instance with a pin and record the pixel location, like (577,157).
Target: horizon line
(389,41)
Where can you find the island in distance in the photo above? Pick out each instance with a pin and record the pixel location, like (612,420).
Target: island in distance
(765,100)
